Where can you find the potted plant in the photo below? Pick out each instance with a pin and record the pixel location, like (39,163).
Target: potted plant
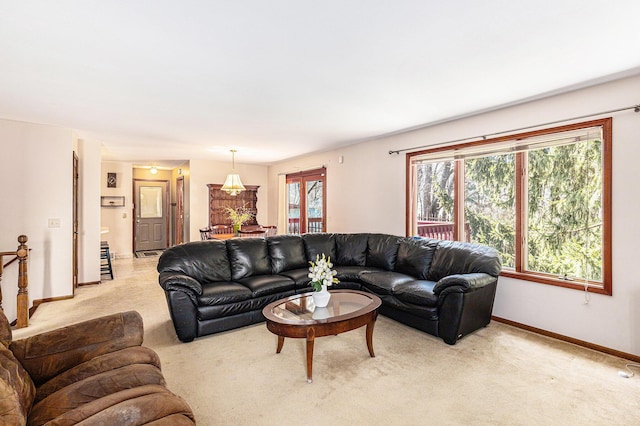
(322,276)
(238,217)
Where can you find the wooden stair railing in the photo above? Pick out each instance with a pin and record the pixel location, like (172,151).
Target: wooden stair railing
(21,256)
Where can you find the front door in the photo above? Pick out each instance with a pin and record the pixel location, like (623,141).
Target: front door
(151,218)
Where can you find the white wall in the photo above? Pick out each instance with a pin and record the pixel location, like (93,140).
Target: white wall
(364,193)
(367,193)
(88,211)
(203,172)
(118,219)
(35,176)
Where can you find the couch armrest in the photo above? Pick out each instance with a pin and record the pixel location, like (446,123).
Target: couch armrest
(463,282)
(48,354)
(175,281)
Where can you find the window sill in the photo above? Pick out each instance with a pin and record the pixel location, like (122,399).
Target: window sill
(596,287)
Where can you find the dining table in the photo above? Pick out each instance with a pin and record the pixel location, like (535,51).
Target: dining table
(222,236)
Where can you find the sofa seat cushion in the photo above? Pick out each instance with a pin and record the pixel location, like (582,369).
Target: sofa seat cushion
(223,292)
(352,273)
(349,285)
(383,282)
(92,388)
(263,285)
(299,276)
(428,313)
(418,292)
(148,404)
(214,312)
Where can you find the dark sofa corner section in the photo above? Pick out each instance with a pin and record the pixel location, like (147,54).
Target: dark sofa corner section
(445,288)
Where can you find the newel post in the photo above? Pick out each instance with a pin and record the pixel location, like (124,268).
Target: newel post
(23,283)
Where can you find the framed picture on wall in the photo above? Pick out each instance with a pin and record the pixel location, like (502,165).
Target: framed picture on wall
(111,180)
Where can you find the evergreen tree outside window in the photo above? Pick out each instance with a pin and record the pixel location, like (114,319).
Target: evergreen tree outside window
(542,199)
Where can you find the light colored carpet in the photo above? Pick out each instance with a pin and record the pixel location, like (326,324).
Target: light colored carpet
(498,375)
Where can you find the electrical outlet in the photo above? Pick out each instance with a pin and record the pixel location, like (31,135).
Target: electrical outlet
(54,223)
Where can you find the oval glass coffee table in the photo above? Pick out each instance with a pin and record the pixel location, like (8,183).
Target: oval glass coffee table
(298,317)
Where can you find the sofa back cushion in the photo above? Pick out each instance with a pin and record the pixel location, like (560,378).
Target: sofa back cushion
(204,261)
(319,244)
(457,257)
(287,253)
(248,257)
(382,251)
(415,256)
(16,390)
(351,249)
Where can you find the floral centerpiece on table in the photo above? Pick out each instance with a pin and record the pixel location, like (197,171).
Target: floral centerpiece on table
(238,216)
(321,274)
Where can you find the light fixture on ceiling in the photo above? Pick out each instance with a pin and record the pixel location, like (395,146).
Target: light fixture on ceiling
(232,184)
(153,170)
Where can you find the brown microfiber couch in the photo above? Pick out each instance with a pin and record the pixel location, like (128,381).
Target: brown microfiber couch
(95,372)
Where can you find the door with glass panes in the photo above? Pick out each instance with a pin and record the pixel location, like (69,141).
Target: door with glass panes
(306,202)
(151,218)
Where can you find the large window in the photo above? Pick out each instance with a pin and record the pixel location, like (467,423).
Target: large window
(542,199)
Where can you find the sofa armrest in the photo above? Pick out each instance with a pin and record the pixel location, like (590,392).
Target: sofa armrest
(48,354)
(175,281)
(463,282)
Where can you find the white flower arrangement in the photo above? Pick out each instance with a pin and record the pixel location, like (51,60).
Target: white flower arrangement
(320,273)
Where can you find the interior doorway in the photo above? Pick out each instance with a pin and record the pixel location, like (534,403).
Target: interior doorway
(150,215)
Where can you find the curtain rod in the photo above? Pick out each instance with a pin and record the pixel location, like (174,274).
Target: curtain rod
(635,108)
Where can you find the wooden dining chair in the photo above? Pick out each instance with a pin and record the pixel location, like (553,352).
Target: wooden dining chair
(271,230)
(205,233)
(221,229)
(253,233)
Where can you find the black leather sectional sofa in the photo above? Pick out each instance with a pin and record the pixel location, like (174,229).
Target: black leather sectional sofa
(445,288)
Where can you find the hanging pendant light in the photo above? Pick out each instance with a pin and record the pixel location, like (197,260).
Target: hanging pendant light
(232,184)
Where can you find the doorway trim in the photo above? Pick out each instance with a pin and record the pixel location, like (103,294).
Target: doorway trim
(303,177)
(75,220)
(179,219)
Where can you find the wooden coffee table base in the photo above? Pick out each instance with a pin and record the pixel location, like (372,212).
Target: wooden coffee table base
(310,332)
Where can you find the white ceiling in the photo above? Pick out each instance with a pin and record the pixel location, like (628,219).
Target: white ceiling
(172,80)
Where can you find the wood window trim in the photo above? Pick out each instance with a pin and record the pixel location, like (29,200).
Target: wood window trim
(605,286)
(302,177)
